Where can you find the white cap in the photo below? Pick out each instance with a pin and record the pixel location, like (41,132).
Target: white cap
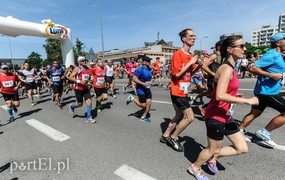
(81,58)
(4,66)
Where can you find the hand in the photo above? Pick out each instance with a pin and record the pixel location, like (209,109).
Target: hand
(146,84)
(253,101)
(276,77)
(15,88)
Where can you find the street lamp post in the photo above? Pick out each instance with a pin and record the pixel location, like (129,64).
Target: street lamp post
(102,39)
(12,61)
(201,41)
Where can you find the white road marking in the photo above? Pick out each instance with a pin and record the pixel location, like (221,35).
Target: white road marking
(280,147)
(4,107)
(128,173)
(163,102)
(47,130)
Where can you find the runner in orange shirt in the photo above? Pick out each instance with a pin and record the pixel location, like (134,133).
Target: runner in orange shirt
(156,71)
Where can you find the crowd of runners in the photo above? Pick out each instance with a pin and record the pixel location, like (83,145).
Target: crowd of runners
(213,75)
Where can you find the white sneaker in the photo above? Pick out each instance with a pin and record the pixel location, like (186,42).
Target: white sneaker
(244,135)
(114,96)
(268,143)
(90,120)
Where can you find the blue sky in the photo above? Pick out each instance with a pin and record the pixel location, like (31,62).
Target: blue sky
(130,23)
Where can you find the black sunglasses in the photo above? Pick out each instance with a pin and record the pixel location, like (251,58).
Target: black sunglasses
(241,46)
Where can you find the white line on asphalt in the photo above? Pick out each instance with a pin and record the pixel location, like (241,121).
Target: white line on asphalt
(128,173)
(47,130)
(163,102)
(280,147)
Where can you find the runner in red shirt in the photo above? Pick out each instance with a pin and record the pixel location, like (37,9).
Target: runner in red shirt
(130,69)
(99,83)
(156,71)
(81,75)
(182,60)
(9,84)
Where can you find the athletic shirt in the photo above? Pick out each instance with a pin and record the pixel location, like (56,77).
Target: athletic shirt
(215,65)
(144,75)
(99,77)
(38,79)
(131,68)
(55,75)
(84,74)
(219,110)
(28,75)
(156,64)
(272,62)
(180,86)
(8,82)
(110,71)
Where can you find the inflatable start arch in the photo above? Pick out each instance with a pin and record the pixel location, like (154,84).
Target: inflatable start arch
(13,27)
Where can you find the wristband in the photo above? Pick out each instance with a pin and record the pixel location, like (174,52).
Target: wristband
(78,81)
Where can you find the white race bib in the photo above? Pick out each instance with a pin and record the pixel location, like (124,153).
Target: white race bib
(85,77)
(185,87)
(133,69)
(7,84)
(30,80)
(56,78)
(100,81)
(231,110)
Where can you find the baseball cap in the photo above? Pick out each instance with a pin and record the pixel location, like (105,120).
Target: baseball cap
(81,58)
(4,66)
(205,52)
(276,37)
(146,58)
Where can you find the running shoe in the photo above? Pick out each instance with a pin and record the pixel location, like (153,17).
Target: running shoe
(71,110)
(129,99)
(15,109)
(98,109)
(124,89)
(266,137)
(197,173)
(212,165)
(192,99)
(114,96)
(175,144)
(33,104)
(66,91)
(59,106)
(145,119)
(12,119)
(164,139)
(202,103)
(90,120)
(244,133)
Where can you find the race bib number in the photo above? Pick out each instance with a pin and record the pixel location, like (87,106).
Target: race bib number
(29,80)
(56,78)
(100,81)
(185,87)
(7,84)
(133,69)
(231,110)
(85,77)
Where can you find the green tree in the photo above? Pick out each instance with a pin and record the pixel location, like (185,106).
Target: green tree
(34,59)
(53,50)
(78,50)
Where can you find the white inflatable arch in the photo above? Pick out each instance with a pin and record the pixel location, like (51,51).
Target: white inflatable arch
(13,27)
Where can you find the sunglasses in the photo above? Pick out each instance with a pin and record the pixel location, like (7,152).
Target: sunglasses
(241,46)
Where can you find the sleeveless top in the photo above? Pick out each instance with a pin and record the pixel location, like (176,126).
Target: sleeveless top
(220,110)
(84,74)
(215,65)
(110,71)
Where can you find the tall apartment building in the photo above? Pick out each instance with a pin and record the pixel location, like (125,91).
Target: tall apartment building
(261,37)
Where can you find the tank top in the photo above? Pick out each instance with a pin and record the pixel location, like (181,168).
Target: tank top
(8,82)
(110,71)
(84,74)
(215,65)
(220,110)
(99,77)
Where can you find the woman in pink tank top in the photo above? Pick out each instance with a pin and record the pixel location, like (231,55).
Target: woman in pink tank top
(218,115)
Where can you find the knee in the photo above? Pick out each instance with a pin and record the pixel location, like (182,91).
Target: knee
(242,149)
(189,119)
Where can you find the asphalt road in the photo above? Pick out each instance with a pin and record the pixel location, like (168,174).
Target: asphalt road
(119,145)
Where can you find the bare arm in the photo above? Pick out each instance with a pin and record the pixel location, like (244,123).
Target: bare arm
(260,72)
(186,67)
(207,63)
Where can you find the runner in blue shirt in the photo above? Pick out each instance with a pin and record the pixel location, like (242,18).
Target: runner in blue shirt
(142,78)
(270,69)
